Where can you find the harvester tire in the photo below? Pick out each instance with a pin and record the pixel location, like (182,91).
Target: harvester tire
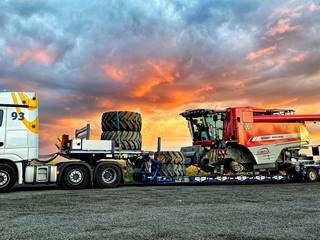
(121,121)
(172,170)
(173,157)
(126,140)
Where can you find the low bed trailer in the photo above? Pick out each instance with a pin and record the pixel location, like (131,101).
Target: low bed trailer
(97,162)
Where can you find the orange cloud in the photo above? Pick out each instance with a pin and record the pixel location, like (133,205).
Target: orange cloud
(283,26)
(261,53)
(112,72)
(154,74)
(298,58)
(40,56)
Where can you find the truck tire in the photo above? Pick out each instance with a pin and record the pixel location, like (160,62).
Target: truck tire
(8,177)
(74,177)
(168,157)
(121,121)
(312,175)
(126,140)
(108,176)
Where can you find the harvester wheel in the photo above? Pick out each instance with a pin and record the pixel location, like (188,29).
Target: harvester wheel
(173,157)
(126,140)
(312,175)
(121,121)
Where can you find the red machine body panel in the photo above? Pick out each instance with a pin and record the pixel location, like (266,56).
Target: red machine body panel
(251,130)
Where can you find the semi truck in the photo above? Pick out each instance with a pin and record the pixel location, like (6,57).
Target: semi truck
(234,145)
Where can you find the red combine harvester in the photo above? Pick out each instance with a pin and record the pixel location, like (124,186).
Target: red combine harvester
(246,139)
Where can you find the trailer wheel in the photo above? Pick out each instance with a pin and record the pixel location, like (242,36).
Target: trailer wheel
(8,177)
(108,176)
(74,177)
(312,175)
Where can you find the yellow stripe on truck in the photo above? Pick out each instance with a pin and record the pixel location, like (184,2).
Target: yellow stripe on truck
(32,126)
(31,102)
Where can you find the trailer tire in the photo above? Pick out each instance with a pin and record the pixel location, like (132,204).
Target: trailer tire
(108,176)
(126,140)
(74,177)
(8,177)
(311,175)
(121,121)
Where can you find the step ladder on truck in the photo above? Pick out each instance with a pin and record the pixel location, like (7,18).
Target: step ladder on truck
(100,162)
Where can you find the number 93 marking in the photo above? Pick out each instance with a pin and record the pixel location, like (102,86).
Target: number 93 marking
(17,116)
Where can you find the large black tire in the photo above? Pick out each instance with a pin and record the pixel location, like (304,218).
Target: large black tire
(8,177)
(168,157)
(121,121)
(126,140)
(107,175)
(74,177)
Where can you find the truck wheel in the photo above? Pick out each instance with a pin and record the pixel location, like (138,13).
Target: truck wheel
(312,175)
(74,177)
(8,178)
(108,176)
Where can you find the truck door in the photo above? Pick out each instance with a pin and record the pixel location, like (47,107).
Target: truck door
(2,129)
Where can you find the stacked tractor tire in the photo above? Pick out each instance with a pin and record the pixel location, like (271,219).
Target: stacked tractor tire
(172,163)
(124,128)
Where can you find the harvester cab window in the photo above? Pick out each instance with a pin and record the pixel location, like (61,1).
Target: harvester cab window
(199,129)
(215,125)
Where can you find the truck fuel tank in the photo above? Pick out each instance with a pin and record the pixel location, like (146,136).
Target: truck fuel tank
(41,174)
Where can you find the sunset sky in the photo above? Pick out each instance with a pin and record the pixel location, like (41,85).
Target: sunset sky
(159,57)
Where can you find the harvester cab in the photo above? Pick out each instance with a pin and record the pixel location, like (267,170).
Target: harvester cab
(206,126)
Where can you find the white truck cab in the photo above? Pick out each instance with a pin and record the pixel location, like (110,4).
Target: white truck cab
(19,135)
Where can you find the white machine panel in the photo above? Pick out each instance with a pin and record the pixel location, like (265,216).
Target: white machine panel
(96,145)
(76,144)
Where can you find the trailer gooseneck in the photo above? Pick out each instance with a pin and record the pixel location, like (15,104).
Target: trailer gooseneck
(233,145)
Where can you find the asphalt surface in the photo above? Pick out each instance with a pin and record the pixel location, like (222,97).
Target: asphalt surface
(272,211)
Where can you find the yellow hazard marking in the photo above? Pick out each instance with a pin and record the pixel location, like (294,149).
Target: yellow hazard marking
(32,102)
(32,126)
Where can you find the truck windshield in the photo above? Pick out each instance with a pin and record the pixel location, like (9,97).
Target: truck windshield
(208,127)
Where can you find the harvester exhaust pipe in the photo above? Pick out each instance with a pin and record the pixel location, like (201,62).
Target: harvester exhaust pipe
(159,148)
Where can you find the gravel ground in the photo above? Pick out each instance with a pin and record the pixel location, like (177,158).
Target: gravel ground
(272,211)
